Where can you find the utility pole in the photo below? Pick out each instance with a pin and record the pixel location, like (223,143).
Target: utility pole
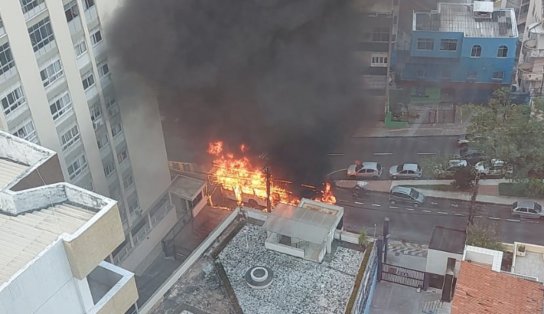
(268,175)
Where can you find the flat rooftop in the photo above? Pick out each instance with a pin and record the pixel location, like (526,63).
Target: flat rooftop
(24,236)
(456,17)
(530,265)
(186,187)
(299,286)
(10,171)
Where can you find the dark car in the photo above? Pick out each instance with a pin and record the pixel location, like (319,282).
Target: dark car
(473,156)
(406,195)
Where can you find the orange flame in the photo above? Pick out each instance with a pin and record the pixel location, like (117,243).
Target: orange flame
(328,196)
(241,177)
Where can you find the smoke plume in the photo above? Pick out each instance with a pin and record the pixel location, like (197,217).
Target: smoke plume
(278,75)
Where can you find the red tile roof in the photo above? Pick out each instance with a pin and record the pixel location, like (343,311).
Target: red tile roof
(481,290)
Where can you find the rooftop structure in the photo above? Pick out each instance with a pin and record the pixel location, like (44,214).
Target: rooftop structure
(54,239)
(476,20)
(528,261)
(482,290)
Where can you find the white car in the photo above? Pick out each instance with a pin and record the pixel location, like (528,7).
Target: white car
(527,209)
(367,170)
(405,171)
(494,168)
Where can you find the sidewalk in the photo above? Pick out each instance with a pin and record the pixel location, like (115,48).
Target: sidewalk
(488,190)
(442,129)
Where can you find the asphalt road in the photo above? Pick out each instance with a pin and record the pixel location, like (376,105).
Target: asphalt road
(416,224)
(389,151)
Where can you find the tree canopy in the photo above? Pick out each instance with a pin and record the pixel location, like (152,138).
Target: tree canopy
(509,132)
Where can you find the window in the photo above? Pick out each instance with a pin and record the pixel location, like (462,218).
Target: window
(109,168)
(133,203)
(448,44)
(51,72)
(116,129)
(13,100)
(96,113)
(498,76)
(122,155)
(77,167)
(70,137)
(476,51)
(27,132)
(41,34)
(88,3)
(88,80)
(378,61)
(80,48)
(6,59)
(103,69)
(71,11)
(502,52)
(96,37)
(60,105)
(101,140)
(128,180)
(425,44)
(28,5)
(380,34)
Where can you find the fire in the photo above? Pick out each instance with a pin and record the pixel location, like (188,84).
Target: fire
(328,196)
(240,176)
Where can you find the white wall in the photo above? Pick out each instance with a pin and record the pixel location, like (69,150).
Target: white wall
(45,286)
(437,261)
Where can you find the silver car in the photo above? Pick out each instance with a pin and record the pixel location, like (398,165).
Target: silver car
(406,195)
(494,168)
(367,170)
(405,171)
(527,209)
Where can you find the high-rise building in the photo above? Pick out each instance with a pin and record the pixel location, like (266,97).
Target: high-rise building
(58,89)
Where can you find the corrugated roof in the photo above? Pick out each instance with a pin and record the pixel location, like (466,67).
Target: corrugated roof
(481,290)
(460,18)
(24,236)
(9,170)
(308,224)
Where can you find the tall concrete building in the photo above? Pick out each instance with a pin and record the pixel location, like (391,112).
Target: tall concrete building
(58,89)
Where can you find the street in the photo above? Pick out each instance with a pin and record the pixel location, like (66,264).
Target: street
(416,224)
(389,151)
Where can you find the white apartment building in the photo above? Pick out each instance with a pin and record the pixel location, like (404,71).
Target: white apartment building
(54,237)
(57,89)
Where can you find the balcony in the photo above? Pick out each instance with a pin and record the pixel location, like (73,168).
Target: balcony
(113,289)
(39,8)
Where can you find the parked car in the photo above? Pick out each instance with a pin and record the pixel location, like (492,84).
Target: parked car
(405,171)
(452,167)
(472,156)
(493,168)
(466,139)
(406,195)
(527,209)
(366,170)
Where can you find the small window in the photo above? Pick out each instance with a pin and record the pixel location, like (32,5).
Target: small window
(476,51)
(80,48)
(502,52)
(122,155)
(27,132)
(109,169)
(116,129)
(425,44)
(498,76)
(70,137)
(88,80)
(41,34)
(103,69)
(448,44)
(51,73)
(88,3)
(77,167)
(96,37)
(13,100)
(71,11)
(60,105)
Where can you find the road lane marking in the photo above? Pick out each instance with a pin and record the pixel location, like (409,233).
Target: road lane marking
(378,205)
(426,153)
(427,211)
(382,154)
(393,207)
(335,154)
(454,205)
(434,203)
(531,222)
(359,203)
(457,214)
(513,220)
(443,213)
(410,209)
(494,218)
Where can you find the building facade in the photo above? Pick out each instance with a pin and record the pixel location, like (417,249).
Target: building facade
(57,90)
(55,238)
(469,49)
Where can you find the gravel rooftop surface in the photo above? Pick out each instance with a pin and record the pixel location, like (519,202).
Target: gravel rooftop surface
(299,286)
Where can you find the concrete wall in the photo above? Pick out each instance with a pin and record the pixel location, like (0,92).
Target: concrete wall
(272,243)
(45,286)
(123,293)
(437,261)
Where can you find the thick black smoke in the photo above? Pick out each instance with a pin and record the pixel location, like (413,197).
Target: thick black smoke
(278,75)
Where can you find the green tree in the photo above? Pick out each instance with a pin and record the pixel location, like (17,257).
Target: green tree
(484,235)
(464,178)
(509,132)
(363,238)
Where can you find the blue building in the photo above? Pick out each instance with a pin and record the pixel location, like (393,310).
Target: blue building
(467,49)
